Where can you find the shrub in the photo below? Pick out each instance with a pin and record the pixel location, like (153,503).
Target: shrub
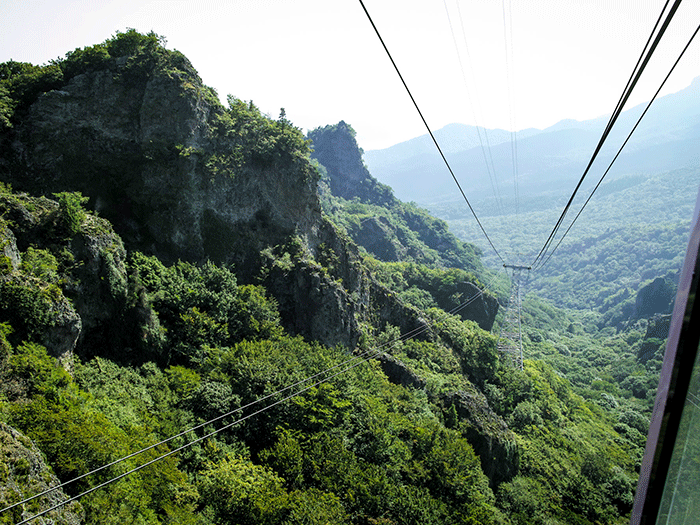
(71,212)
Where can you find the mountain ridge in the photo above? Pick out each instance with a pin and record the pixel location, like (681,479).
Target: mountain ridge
(673,120)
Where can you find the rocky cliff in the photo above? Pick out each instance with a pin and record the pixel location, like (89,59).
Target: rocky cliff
(182,177)
(163,160)
(60,287)
(24,473)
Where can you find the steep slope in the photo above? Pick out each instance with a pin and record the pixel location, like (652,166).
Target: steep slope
(393,232)
(351,423)
(434,431)
(130,125)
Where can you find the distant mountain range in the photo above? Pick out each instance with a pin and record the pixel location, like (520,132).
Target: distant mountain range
(548,160)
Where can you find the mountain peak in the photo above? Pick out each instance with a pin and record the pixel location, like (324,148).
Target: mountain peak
(336,149)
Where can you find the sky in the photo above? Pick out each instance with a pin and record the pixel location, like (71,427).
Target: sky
(509,64)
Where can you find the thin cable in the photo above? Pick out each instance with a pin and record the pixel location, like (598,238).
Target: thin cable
(613,118)
(478,105)
(429,130)
(636,73)
(184,432)
(476,90)
(492,176)
(510,82)
(621,147)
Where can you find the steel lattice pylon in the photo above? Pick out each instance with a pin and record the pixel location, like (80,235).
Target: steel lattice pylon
(510,341)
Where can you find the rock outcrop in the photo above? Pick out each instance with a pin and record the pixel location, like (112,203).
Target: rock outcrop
(400,374)
(24,473)
(336,149)
(488,433)
(655,298)
(92,291)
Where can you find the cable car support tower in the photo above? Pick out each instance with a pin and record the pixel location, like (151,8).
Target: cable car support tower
(510,341)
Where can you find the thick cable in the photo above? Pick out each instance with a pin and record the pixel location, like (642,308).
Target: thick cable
(430,132)
(636,66)
(613,118)
(636,73)
(621,147)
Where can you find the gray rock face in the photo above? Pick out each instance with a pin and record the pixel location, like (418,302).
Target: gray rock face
(23,473)
(138,143)
(61,336)
(99,287)
(658,327)
(655,298)
(398,373)
(8,245)
(657,331)
(146,145)
(482,309)
(314,306)
(488,433)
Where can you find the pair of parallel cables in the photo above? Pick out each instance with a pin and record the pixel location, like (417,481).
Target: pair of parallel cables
(318,378)
(545,254)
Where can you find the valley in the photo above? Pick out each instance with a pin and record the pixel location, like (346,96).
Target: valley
(208,317)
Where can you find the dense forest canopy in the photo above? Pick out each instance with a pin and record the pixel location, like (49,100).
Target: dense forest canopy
(113,339)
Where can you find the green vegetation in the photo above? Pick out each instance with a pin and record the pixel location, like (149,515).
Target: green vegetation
(106,350)
(246,139)
(357,449)
(71,211)
(628,236)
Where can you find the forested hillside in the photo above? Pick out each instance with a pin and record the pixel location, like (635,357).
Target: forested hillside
(633,231)
(169,263)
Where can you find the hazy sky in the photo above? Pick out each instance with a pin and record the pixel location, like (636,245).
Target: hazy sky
(322,62)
